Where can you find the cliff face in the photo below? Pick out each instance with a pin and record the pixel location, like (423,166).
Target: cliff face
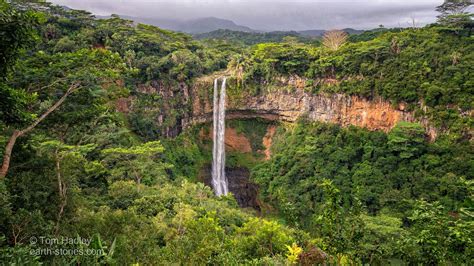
(234,141)
(287,100)
(166,111)
(184,105)
(290,101)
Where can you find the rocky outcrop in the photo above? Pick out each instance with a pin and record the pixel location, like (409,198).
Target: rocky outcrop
(290,100)
(287,99)
(167,110)
(234,141)
(268,140)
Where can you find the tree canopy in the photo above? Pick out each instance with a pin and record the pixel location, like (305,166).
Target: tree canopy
(93,119)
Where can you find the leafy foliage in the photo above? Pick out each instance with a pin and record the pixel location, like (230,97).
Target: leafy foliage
(427,68)
(251,38)
(329,194)
(352,189)
(17,33)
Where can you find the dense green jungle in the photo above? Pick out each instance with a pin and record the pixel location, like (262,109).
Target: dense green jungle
(106,163)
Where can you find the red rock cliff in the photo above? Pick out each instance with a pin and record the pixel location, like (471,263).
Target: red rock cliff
(290,101)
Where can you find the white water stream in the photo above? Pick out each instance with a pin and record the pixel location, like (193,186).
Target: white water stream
(219,180)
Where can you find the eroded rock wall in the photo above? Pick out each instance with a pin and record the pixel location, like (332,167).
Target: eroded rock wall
(285,100)
(290,100)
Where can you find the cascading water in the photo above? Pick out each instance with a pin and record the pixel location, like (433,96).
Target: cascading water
(219,180)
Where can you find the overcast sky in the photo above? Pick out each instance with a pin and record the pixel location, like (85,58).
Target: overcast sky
(274,14)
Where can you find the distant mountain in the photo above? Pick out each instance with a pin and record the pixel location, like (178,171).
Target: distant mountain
(318,33)
(312,33)
(194,26)
(353,31)
(203,25)
(213,24)
(65,8)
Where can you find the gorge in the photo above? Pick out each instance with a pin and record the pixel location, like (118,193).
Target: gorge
(164,149)
(287,100)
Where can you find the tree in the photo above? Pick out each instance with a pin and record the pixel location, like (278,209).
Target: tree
(453,14)
(17,32)
(379,240)
(436,236)
(67,160)
(260,238)
(84,71)
(137,162)
(18,133)
(453,7)
(196,240)
(369,183)
(340,230)
(406,139)
(334,39)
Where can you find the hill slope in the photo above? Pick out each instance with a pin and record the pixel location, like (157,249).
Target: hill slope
(194,26)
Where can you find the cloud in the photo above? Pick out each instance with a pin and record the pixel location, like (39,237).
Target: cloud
(276,14)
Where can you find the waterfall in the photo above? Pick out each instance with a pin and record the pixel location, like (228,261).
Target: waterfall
(219,180)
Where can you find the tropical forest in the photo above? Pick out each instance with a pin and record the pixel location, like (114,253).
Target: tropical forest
(124,142)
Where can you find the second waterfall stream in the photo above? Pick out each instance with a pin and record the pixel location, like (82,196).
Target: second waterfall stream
(219,180)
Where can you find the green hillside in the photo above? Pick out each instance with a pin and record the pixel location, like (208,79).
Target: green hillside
(95,148)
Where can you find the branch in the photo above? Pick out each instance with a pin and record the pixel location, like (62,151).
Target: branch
(47,86)
(70,90)
(18,133)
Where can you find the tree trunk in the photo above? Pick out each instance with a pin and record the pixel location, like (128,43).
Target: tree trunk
(8,153)
(61,191)
(18,133)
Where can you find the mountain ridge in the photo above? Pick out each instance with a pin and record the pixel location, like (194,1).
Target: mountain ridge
(192,26)
(212,24)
